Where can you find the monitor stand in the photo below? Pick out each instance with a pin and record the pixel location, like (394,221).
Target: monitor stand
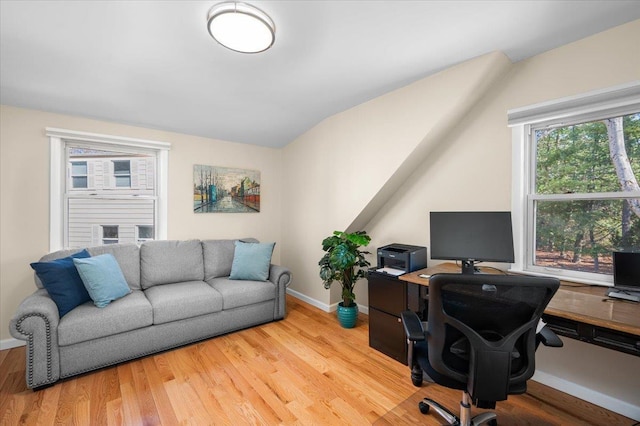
(468,267)
(633,296)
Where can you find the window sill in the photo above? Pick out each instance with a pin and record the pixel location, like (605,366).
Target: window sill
(564,278)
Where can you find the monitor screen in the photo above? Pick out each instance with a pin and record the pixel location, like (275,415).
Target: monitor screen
(626,269)
(471,237)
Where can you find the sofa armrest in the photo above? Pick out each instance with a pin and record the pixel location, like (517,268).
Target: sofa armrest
(36,322)
(281,278)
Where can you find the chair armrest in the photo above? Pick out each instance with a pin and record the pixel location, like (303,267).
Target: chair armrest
(412,326)
(548,338)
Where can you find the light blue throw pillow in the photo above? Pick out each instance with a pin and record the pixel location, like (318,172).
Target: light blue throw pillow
(251,261)
(102,278)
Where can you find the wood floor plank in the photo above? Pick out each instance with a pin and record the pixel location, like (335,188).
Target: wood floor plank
(302,370)
(157,391)
(49,405)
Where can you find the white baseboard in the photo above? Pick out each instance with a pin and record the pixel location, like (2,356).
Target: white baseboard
(589,395)
(309,300)
(11,343)
(323,306)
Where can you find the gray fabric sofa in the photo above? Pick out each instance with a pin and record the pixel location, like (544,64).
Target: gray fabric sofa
(180,293)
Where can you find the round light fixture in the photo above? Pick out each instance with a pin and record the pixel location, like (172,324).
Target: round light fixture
(241,27)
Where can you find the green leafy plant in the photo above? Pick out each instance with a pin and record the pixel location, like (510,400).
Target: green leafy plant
(344,262)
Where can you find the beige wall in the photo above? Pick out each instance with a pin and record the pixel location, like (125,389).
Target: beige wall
(24,199)
(469,169)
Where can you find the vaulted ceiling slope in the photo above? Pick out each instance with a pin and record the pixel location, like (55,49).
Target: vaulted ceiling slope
(153,64)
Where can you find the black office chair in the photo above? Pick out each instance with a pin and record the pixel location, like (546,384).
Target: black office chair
(481,338)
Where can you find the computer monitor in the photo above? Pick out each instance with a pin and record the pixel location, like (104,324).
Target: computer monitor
(626,271)
(472,237)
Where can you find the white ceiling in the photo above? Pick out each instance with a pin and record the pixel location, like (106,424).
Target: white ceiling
(153,63)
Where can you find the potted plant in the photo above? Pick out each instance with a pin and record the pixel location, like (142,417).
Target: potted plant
(344,262)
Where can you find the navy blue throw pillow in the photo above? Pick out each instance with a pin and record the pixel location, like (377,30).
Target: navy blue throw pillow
(62,281)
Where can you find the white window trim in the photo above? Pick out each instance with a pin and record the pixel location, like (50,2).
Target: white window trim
(615,101)
(57,138)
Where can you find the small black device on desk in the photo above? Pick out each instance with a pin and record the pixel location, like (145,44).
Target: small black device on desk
(397,259)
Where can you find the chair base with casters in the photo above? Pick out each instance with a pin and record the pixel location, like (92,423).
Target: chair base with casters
(465,418)
(480,338)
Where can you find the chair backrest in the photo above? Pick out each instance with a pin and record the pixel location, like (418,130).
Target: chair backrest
(482,327)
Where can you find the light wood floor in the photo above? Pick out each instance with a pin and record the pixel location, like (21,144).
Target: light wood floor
(302,370)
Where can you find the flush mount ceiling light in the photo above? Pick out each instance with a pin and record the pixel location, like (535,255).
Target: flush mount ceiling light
(241,27)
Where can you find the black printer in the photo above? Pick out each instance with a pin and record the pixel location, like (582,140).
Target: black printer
(402,257)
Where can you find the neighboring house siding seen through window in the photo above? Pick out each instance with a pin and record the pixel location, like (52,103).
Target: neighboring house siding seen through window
(576,195)
(114,191)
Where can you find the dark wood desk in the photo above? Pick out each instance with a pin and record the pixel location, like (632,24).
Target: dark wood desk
(576,311)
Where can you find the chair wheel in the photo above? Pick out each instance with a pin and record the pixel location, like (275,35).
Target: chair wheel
(424,407)
(492,422)
(417,382)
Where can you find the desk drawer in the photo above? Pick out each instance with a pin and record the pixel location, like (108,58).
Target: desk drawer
(607,338)
(386,334)
(387,294)
(619,341)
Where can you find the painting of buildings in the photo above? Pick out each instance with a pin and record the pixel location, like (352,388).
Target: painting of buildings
(225,190)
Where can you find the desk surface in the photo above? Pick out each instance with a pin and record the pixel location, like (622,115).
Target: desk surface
(572,301)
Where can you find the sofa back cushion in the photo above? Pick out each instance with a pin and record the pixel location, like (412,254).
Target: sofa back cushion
(128,257)
(163,262)
(62,281)
(53,256)
(218,257)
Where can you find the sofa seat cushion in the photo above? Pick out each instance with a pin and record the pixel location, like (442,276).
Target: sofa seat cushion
(88,322)
(173,302)
(242,293)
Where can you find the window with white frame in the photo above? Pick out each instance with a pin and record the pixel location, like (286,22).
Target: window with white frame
(104,188)
(110,234)
(79,174)
(144,233)
(122,173)
(576,198)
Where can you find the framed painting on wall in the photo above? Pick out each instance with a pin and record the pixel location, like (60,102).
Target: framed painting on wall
(225,190)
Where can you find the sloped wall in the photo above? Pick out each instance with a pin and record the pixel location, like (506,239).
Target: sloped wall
(338,174)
